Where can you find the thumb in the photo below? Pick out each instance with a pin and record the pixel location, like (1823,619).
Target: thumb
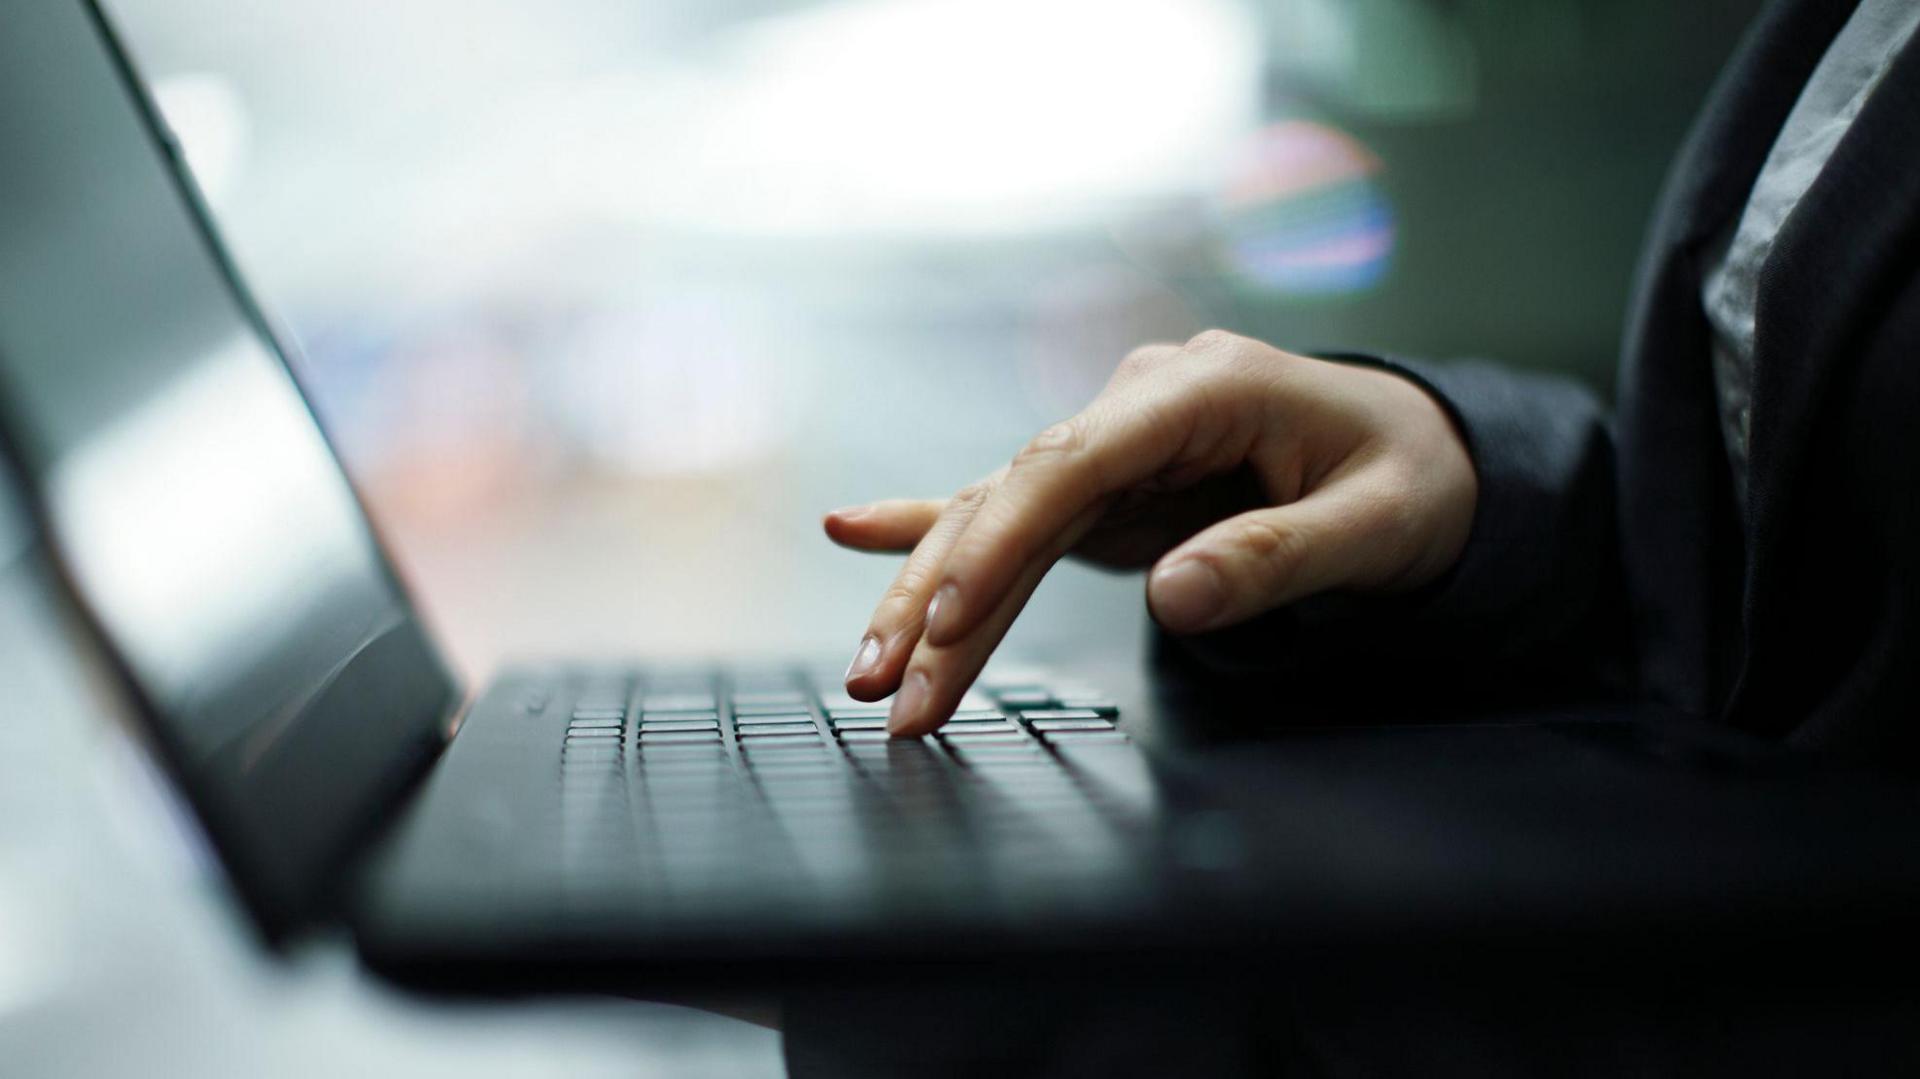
(1250,564)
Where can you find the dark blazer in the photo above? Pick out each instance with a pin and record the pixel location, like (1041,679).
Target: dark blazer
(1613,546)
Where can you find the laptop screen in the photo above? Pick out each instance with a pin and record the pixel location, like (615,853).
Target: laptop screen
(193,501)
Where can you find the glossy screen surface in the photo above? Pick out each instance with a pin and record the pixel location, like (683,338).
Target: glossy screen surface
(195,503)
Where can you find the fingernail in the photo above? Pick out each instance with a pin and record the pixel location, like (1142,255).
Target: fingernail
(941,599)
(908,702)
(865,659)
(845,512)
(1187,595)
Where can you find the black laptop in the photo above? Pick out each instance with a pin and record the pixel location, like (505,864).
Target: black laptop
(655,818)
(208,533)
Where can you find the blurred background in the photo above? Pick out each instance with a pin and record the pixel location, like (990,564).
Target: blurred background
(607,300)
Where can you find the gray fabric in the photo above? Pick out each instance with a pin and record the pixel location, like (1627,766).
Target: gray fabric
(1847,74)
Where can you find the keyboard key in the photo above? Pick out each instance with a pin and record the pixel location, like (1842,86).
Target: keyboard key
(1083,737)
(836,701)
(805,783)
(656,726)
(862,711)
(860,723)
(678,702)
(777,731)
(984,738)
(703,744)
(749,698)
(770,758)
(616,712)
(1025,698)
(663,715)
(685,763)
(686,756)
(988,759)
(1058,713)
(789,769)
(864,735)
(784,708)
(1072,724)
(919,748)
(889,754)
(584,724)
(980,726)
(979,713)
(750,739)
(576,734)
(678,737)
(1099,706)
(788,762)
(969,754)
(773,719)
(578,747)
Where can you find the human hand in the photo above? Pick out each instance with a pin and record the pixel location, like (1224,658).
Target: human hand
(1247,477)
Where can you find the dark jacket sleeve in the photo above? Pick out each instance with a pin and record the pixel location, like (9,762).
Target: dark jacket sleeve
(1537,592)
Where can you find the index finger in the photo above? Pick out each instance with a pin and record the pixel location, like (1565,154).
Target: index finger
(893,525)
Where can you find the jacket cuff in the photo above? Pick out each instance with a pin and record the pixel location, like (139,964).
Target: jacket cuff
(1529,594)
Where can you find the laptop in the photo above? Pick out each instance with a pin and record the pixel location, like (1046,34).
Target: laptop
(628,821)
(217,549)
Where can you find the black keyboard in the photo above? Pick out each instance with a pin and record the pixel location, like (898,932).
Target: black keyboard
(716,787)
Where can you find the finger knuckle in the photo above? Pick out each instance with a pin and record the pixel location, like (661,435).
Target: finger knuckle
(902,595)
(909,590)
(1222,363)
(1274,550)
(972,495)
(1214,343)
(1142,360)
(1064,439)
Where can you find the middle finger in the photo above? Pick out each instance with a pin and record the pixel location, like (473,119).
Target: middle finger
(898,620)
(937,676)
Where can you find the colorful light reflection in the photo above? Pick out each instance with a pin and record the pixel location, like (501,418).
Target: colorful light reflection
(1303,212)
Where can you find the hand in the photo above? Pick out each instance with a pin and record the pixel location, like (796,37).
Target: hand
(1246,476)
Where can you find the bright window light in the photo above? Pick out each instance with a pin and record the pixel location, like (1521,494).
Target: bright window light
(913,116)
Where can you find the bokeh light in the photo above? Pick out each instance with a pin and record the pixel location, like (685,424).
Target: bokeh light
(1303,212)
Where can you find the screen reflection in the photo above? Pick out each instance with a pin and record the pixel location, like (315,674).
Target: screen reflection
(215,528)
(189,494)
